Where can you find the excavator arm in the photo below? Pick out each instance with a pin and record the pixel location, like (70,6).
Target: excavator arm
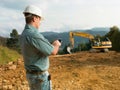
(80,34)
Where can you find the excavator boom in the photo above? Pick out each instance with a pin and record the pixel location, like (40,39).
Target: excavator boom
(80,34)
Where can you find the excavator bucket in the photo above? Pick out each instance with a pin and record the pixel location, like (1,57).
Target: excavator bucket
(69,49)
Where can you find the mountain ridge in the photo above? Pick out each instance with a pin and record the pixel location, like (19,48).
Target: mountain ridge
(51,36)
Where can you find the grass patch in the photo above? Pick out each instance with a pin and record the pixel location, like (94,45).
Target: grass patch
(7,55)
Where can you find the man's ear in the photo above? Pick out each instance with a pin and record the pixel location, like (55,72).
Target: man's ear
(34,19)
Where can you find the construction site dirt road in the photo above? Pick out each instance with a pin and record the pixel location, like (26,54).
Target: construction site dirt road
(78,71)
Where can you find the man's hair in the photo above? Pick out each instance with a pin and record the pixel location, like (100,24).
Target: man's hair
(29,17)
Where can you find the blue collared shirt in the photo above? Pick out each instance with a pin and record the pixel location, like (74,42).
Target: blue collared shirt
(35,49)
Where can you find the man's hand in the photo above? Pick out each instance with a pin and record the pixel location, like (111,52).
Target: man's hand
(56,43)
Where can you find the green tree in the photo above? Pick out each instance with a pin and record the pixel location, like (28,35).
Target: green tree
(113,31)
(13,41)
(14,34)
(114,36)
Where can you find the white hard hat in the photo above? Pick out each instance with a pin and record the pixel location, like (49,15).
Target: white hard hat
(33,10)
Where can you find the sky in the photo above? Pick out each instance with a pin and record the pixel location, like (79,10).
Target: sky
(60,15)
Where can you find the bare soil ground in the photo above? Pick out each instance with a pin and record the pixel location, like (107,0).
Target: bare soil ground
(78,71)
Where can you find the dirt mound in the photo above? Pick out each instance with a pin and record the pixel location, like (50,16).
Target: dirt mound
(79,71)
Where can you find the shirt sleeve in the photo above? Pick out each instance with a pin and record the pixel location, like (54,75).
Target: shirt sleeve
(42,45)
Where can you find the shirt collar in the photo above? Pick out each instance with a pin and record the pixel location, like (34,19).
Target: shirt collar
(28,26)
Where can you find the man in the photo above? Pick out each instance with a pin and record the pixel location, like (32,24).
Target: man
(35,50)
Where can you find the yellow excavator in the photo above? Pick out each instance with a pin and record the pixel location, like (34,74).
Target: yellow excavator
(95,44)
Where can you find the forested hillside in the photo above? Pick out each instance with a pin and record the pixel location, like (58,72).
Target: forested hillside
(112,33)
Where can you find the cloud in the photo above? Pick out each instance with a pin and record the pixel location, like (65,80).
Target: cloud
(60,14)
(10,19)
(13,4)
